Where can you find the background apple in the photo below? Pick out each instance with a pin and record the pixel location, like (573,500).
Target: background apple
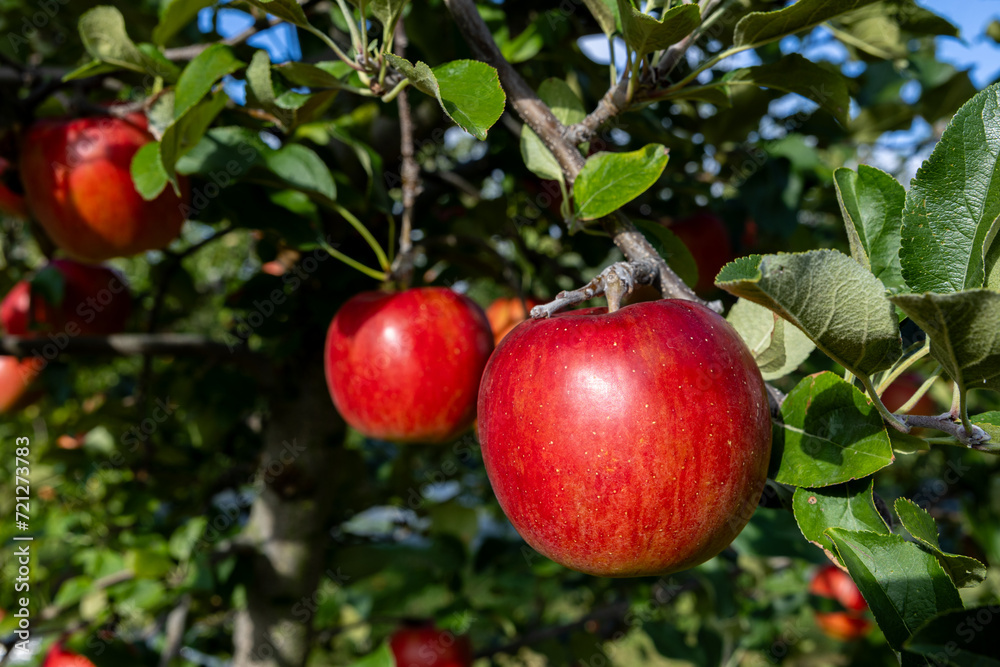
(16,377)
(626,444)
(94,298)
(58,656)
(506,313)
(430,647)
(78,185)
(406,366)
(11,201)
(707,238)
(833,583)
(900,391)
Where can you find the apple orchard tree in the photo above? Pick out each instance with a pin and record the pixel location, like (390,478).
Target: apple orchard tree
(196,498)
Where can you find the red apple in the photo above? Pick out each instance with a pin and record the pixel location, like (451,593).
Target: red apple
(61,657)
(16,378)
(11,203)
(832,582)
(78,185)
(406,366)
(430,647)
(506,313)
(96,301)
(626,444)
(707,238)
(900,391)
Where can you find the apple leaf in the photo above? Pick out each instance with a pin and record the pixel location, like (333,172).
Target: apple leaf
(468,91)
(103,33)
(608,181)
(835,301)
(148,174)
(286,10)
(201,74)
(568,108)
(763,27)
(327,74)
(989,422)
(903,584)
(387,12)
(303,169)
(260,92)
(963,570)
(174,15)
(668,246)
(850,506)
(606,14)
(936,639)
(380,657)
(953,203)
(964,328)
(777,346)
(187,130)
(644,34)
(822,84)
(832,434)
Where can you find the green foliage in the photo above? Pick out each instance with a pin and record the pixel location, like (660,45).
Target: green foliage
(608,181)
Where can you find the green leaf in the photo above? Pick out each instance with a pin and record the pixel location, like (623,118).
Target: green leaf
(49,284)
(175,15)
(327,74)
(606,14)
(777,346)
(286,10)
(387,12)
(103,33)
(186,131)
(954,201)
(821,83)
(184,539)
(763,27)
(469,91)
(568,108)
(839,305)
(303,169)
(147,564)
(904,585)
(963,570)
(148,173)
(832,434)
(230,150)
(964,328)
(380,657)
(850,506)
(871,202)
(669,246)
(644,34)
(963,638)
(608,181)
(989,422)
(201,74)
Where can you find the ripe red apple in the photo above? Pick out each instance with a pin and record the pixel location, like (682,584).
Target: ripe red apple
(832,582)
(61,657)
(16,379)
(430,647)
(707,238)
(506,313)
(78,185)
(626,444)
(900,391)
(406,366)
(11,202)
(96,301)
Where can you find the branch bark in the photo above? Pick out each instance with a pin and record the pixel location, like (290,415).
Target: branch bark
(168,345)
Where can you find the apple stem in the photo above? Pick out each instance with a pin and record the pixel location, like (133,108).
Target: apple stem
(615,282)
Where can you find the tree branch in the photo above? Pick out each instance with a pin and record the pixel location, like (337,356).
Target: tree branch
(120,345)
(192,51)
(402,268)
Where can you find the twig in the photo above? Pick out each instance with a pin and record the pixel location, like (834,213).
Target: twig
(616,281)
(192,51)
(402,267)
(174,630)
(121,345)
(952,427)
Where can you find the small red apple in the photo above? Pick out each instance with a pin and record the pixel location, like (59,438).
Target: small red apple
(16,378)
(506,313)
(405,366)
(11,202)
(95,301)
(832,582)
(61,657)
(430,647)
(900,391)
(707,238)
(78,184)
(626,444)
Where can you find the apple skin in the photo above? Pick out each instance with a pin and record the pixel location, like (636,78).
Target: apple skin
(78,186)
(95,299)
(430,647)
(16,379)
(506,313)
(11,202)
(406,366)
(626,444)
(61,657)
(707,238)
(832,582)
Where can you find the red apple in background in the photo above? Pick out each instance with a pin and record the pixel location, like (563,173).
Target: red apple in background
(78,185)
(900,391)
(833,583)
(61,657)
(430,647)
(406,366)
(707,238)
(626,444)
(506,313)
(16,377)
(11,202)
(95,301)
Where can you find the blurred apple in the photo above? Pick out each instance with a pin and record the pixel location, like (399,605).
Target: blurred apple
(707,238)
(833,583)
(11,202)
(506,313)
